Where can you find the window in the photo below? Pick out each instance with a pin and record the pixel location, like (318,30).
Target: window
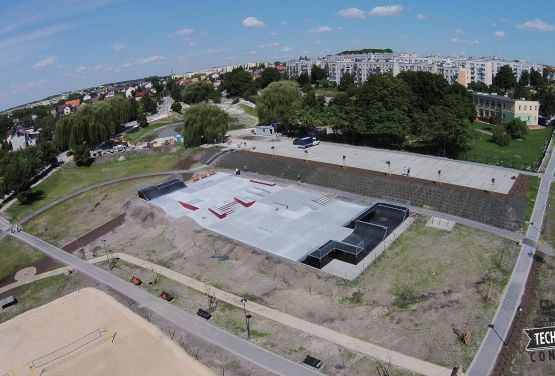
(524,107)
(519,107)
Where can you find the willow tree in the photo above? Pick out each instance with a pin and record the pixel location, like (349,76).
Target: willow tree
(204,123)
(274,101)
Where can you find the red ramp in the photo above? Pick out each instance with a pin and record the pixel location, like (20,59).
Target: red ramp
(218,213)
(247,203)
(188,206)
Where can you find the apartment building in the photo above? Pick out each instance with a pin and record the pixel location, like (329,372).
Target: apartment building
(455,69)
(505,108)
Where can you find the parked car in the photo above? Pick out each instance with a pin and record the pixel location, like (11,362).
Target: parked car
(296,141)
(307,142)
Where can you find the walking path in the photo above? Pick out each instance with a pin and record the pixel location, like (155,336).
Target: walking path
(485,359)
(397,359)
(34,278)
(183,320)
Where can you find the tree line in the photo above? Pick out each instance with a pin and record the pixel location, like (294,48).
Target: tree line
(414,109)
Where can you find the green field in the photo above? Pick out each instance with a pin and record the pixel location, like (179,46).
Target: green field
(549,226)
(531,195)
(520,154)
(70,178)
(248,110)
(15,256)
(38,293)
(136,136)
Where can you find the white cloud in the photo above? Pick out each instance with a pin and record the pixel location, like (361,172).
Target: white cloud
(150,59)
(274,34)
(420,16)
(269,45)
(127,65)
(536,25)
(499,34)
(46,62)
(183,32)
(339,28)
(459,32)
(464,41)
(386,10)
(286,49)
(251,52)
(321,29)
(253,22)
(352,13)
(118,47)
(193,44)
(28,86)
(82,69)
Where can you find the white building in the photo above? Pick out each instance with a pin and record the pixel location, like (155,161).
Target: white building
(454,69)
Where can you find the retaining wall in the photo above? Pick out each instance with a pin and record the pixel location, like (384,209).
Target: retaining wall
(506,211)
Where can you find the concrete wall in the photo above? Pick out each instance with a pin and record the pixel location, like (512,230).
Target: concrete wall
(504,211)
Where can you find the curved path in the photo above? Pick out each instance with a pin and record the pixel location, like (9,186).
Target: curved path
(185,321)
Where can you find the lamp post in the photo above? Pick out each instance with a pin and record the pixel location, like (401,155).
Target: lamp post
(344,157)
(439,176)
(491,326)
(248,318)
(388,164)
(273,150)
(244,301)
(492,185)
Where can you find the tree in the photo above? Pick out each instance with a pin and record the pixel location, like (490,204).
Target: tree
(82,155)
(147,103)
(175,92)
(238,82)
(47,126)
(516,128)
(536,78)
(524,79)
(5,124)
(499,136)
(428,88)
(505,79)
(197,92)
(447,131)
(481,87)
(142,120)
(347,82)
(274,101)
(268,76)
(546,96)
(176,107)
(317,74)
(303,79)
(204,123)
(384,103)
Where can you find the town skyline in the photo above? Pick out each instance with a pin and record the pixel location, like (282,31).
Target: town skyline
(63,48)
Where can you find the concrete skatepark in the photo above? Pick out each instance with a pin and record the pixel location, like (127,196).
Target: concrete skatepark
(286,221)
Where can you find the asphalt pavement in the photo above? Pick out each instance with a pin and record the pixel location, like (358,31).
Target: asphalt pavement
(185,321)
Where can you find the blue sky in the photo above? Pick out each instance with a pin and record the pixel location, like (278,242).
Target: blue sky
(47,47)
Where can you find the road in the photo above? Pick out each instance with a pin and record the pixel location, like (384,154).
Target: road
(484,361)
(185,321)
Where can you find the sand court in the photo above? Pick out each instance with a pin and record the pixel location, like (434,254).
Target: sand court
(89,333)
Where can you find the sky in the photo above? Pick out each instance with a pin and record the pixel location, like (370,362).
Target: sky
(51,46)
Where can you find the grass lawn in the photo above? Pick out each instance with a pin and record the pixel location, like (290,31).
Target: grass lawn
(136,136)
(549,225)
(248,110)
(70,178)
(15,255)
(326,92)
(522,155)
(38,293)
(531,196)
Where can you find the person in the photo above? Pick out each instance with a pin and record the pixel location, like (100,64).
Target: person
(298,179)
(408,171)
(237,172)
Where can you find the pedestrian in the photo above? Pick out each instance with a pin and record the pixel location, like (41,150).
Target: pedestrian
(298,179)
(408,171)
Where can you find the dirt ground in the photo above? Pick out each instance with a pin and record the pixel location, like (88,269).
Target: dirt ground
(428,287)
(91,318)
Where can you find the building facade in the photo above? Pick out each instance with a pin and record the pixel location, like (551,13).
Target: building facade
(505,108)
(455,69)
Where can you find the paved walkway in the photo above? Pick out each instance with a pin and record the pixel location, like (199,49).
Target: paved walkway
(461,173)
(485,359)
(397,359)
(34,278)
(183,320)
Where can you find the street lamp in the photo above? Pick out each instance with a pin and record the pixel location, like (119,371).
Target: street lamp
(248,318)
(492,185)
(439,176)
(273,150)
(344,161)
(244,301)
(388,163)
(491,326)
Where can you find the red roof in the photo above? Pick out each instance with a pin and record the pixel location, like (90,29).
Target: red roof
(280,67)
